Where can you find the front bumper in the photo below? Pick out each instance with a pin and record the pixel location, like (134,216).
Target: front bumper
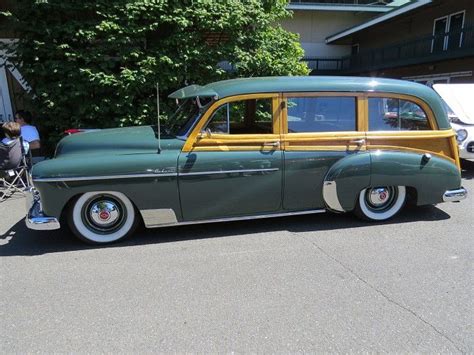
(35,218)
(455,195)
(466,150)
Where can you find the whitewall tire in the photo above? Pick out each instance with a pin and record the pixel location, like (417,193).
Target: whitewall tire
(380,203)
(102,217)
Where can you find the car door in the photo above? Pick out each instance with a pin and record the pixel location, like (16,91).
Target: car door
(231,164)
(319,129)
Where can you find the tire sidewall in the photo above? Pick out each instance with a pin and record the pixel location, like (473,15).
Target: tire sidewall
(84,233)
(382,216)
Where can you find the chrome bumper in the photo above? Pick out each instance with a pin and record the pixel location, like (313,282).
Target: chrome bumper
(455,195)
(35,218)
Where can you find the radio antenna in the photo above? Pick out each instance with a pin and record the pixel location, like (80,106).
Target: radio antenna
(158,115)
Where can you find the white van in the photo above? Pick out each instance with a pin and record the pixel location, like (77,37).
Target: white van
(460,101)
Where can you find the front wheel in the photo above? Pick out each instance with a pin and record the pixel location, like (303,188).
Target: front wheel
(102,217)
(380,203)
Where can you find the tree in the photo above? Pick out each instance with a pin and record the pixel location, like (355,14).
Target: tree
(95,63)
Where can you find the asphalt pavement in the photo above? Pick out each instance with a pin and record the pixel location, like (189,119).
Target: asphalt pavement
(314,283)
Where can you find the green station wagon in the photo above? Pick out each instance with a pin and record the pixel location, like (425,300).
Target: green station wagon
(255,148)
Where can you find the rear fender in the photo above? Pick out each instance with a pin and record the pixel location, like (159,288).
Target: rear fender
(430,175)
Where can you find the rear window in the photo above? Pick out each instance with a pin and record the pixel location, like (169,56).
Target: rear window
(390,114)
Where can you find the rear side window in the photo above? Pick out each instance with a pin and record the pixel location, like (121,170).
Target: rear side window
(390,114)
(321,114)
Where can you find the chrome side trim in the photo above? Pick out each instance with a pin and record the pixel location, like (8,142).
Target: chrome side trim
(229,171)
(156,217)
(148,175)
(455,195)
(241,218)
(104,177)
(35,218)
(330,196)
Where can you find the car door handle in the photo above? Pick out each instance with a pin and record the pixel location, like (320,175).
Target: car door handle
(358,141)
(271,144)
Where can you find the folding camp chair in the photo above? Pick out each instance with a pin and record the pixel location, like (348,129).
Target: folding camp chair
(14,167)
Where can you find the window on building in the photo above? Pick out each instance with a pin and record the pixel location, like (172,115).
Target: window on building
(456,23)
(448,32)
(390,114)
(355,49)
(321,114)
(439,30)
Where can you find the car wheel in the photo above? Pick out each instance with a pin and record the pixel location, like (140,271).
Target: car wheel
(380,203)
(102,217)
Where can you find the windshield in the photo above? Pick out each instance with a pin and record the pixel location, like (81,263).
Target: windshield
(181,122)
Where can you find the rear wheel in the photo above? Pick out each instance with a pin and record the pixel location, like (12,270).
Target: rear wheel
(102,217)
(380,203)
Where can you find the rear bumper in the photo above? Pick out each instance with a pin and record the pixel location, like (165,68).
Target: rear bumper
(455,195)
(35,218)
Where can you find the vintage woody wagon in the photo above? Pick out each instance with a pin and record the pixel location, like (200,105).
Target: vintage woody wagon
(254,148)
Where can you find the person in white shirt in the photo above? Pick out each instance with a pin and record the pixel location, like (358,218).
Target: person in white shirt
(28,132)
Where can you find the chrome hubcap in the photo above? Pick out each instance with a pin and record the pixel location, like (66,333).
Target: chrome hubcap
(380,199)
(379,196)
(104,213)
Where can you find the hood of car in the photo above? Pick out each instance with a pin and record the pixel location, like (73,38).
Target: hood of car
(459,98)
(116,141)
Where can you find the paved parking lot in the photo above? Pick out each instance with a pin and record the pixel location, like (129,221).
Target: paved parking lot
(300,284)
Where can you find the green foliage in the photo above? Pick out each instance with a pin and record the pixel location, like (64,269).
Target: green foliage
(95,63)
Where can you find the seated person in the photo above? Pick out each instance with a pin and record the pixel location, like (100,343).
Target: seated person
(12,131)
(28,132)
(10,148)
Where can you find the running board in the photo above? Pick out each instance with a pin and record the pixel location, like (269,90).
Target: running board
(231,219)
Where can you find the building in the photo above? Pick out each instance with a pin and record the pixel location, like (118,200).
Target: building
(314,21)
(428,41)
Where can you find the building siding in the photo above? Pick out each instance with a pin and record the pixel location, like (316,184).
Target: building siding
(314,26)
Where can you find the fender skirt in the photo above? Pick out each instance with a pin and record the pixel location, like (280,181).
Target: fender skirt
(344,180)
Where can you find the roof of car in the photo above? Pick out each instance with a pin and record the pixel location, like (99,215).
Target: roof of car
(271,84)
(226,88)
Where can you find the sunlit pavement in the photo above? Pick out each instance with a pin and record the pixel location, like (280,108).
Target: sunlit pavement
(308,284)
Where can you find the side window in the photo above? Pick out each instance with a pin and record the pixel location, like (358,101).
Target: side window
(242,117)
(321,114)
(389,114)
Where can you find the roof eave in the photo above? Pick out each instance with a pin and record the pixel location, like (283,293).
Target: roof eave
(382,18)
(350,8)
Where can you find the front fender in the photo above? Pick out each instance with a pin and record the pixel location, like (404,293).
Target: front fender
(148,180)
